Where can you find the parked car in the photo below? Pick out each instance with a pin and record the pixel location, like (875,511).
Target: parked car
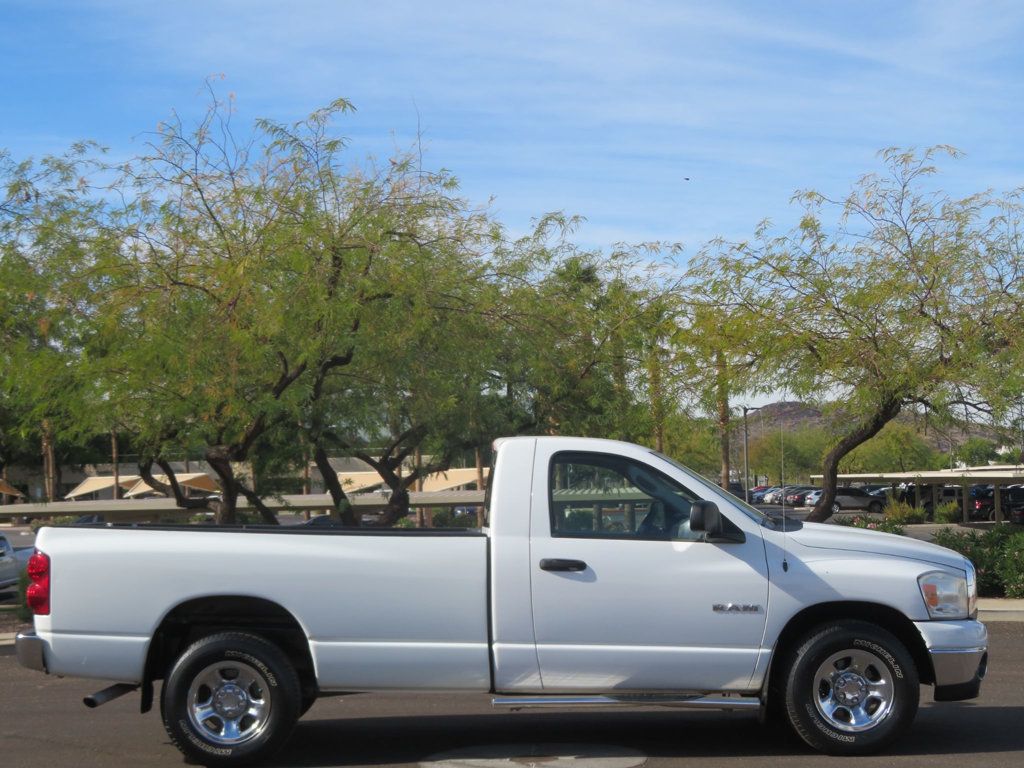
(924,497)
(848,499)
(758,496)
(874,488)
(1011,502)
(796,497)
(736,489)
(606,574)
(12,563)
(778,495)
(812,497)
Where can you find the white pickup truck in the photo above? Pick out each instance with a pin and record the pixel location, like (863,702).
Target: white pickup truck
(607,574)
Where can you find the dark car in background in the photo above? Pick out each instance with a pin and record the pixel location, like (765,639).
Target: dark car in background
(924,496)
(1011,502)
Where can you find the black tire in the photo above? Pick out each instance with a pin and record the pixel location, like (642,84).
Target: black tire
(235,674)
(875,507)
(876,691)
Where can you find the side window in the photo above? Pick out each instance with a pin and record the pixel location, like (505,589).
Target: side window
(597,495)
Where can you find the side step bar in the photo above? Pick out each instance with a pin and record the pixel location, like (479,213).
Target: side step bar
(695,701)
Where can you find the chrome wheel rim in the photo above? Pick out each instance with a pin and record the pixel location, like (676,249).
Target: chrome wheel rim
(229,702)
(853,690)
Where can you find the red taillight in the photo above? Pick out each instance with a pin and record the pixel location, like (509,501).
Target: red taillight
(37,596)
(977,505)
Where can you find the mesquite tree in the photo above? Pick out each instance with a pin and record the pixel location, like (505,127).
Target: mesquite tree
(899,301)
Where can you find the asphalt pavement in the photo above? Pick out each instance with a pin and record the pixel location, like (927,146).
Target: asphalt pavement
(44,724)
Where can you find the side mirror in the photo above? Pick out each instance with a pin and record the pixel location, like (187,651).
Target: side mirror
(704,516)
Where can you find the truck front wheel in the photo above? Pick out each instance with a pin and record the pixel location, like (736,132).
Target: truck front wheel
(230,699)
(851,688)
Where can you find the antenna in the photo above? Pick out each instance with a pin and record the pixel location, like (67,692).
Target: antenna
(782,480)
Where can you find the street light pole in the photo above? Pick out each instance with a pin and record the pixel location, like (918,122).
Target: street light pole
(746,462)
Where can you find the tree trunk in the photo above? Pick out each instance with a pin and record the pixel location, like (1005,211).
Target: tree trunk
(266,513)
(830,468)
(171,489)
(227,510)
(117,466)
(397,508)
(342,509)
(657,396)
(722,402)
(47,451)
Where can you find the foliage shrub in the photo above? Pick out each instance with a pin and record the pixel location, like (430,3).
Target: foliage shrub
(949,512)
(454,518)
(38,523)
(986,550)
(579,520)
(1011,566)
(900,513)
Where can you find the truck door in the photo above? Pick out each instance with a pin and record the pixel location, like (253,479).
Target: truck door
(625,596)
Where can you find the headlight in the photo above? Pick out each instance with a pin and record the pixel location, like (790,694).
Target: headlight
(945,595)
(972,590)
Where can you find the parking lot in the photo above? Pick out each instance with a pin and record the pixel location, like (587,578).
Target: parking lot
(43,723)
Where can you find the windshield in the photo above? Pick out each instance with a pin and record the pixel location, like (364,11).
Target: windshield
(754,514)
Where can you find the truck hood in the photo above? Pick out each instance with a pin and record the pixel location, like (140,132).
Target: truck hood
(835,537)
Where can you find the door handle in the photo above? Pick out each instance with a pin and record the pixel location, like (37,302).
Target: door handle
(559,564)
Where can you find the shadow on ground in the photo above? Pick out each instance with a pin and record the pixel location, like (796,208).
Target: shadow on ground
(947,730)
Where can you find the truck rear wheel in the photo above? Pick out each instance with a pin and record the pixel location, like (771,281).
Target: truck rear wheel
(230,699)
(851,688)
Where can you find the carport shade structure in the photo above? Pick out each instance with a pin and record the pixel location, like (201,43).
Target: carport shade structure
(351,482)
(996,476)
(199,481)
(100,483)
(9,490)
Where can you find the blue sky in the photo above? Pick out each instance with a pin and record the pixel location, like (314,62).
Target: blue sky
(595,108)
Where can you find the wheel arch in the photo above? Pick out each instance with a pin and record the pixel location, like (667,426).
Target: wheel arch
(883,616)
(199,617)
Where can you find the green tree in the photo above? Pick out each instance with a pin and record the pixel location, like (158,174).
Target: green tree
(47,235)
(896,448)
(878,308)
(789,455)
(976,451)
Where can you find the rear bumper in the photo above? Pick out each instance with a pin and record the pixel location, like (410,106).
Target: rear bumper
(29,649)
(959,656)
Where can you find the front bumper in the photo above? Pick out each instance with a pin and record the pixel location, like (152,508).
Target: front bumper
(959,656)
(29,649)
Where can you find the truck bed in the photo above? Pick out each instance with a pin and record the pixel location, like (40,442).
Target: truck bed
(381,609)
